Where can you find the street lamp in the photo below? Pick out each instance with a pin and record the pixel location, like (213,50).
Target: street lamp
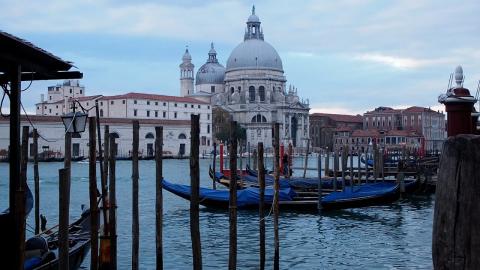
(74,122)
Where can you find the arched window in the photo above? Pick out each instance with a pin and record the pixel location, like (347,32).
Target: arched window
(115,135)
(149,135)
(259,119)
(182,136)
(232,90)
(239,89)
(251,93)
(261,93)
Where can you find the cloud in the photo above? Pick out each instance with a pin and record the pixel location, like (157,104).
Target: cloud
(401,62)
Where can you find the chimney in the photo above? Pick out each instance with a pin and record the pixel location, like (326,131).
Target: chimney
(42,98)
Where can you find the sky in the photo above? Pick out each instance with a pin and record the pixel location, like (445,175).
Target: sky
(344,56)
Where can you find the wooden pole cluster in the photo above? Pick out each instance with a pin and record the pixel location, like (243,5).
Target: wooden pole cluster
(92,177)
(159,196)
(36,179)
(195,190)
(261,205)
(232,204)
(135,176)
(105,254)
(456,238)
(113,203)
(276,185)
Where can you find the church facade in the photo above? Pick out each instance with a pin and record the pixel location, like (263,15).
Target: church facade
(252,88)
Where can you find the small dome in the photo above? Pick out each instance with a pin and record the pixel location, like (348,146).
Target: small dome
(210,73)
(253,19)
(254,54)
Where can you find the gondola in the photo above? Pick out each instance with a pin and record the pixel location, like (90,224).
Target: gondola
(358,196)
(4,216)
(42,250)
(79,158)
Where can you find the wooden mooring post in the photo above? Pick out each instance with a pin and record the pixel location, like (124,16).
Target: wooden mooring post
(344,165)
(92,177)
(456,238)
(261,205)
(232,204)
(159,196)
(319,172)
(36,179)
(214,164)
(359,166)
(195,190)
(335,169)
(135,215)
(306,159)
(290,159)
(105,253)
(276,185)
(327,162)
(20,196)
(113,203)
(64,205)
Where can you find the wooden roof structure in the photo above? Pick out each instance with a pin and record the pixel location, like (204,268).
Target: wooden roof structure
(36,63)
(20,61)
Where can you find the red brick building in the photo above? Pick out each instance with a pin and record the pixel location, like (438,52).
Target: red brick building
(323,127)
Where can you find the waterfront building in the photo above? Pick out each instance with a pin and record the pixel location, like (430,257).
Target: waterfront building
(152,109)
(323,127)
(252,89)
(425,122)
(416,128)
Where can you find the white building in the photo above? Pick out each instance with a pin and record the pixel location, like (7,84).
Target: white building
(176,136)
(252,88)
(154,110)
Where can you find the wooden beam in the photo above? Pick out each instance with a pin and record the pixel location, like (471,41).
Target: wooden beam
(37,76)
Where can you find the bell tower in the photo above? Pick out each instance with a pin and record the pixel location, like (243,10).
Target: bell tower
(186,74)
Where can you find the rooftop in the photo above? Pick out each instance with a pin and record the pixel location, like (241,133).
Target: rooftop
(340,117)
(133,95)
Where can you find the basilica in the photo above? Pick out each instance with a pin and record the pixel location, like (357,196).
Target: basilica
(252,89)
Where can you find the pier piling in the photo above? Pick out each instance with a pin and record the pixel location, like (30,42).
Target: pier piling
(64,205)
(327,163)
(159,196)
(195,190)
(214,164)
(232,204)
(319,172)
(455,238)
(276,185)
(261,205)
(113,203)
(135,216)
(335,169)
(92,177)
(36,179)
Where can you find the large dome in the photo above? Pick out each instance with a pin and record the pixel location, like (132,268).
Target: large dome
(210,73)
(254,54)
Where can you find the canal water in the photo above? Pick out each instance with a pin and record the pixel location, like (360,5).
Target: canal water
(396,236)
